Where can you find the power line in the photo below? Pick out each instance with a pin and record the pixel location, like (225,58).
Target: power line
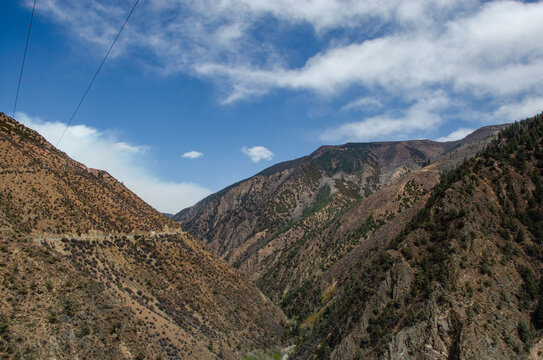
(97,71)
(24,58)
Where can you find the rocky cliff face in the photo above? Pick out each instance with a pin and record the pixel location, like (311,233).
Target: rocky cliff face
(88,270)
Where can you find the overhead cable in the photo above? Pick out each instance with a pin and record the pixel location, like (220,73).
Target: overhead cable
(96,74)
(24,59)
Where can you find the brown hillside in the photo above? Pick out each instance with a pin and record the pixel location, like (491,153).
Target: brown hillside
(88,270)
(48,309)
(44,191)
(341,218)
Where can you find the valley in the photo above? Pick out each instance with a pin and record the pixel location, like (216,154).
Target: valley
(271,180)
(412,249)
(331,251)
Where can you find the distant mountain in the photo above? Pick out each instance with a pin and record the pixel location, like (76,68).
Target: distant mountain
(243,218)
(89,270)
(437,259)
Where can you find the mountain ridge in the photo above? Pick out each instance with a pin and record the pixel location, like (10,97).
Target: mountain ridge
(279,194)
(460,280)
(471,138)
(78,249)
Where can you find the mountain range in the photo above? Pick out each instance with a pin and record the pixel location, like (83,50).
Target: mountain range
(393,250)
(377,250)
(288,224)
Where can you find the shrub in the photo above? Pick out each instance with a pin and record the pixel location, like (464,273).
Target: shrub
(140,355)
(3,324)
(52,318)
(84,331)
(69,307)
(485,267)
(521,236)
(538,314)
(524,333)
(529,287)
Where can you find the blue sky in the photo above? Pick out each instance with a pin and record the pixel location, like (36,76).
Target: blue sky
(198,94)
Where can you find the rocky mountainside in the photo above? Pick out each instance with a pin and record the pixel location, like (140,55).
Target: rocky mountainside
(294,263)
(237,221)
(462,280)
(88,270)
(287,225)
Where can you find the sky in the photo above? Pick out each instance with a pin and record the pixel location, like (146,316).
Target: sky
(199,94)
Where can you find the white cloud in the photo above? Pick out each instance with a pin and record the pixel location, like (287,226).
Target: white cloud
(469,45)
(507,111)
(466,54)
(185,35)
(102,150)
(512,111)
(130,148)
(192,155)
(422,116)
(258,153)
(199,34)
(456,135)
(362,103)
(481,53)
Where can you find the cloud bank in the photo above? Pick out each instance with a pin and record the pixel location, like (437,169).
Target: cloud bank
(421,116)
(102,150)
(477,54)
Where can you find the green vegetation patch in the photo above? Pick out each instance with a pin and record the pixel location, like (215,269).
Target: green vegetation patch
(274,354)
(322,198)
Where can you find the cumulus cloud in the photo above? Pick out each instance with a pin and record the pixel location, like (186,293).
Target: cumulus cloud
(456,135)
(258,153)
(103,150)
(192,155)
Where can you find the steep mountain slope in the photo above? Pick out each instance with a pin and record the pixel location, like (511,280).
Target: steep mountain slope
(48,309)
(289,264)
(237,221)
(44,191)
(462,280)
(88,270)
